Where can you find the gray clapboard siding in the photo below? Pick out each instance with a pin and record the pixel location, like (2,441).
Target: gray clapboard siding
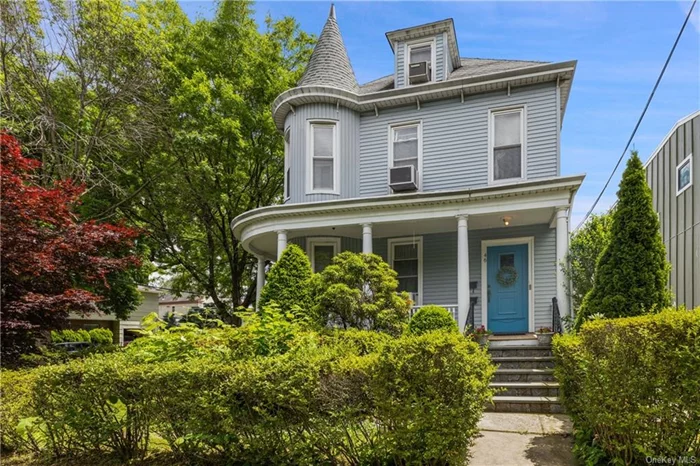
(400,53)
(439,58)
(440,265)
(348,135)
(679,214)
(455,141)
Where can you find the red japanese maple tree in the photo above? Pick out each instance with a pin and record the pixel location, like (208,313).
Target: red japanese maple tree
(52,263)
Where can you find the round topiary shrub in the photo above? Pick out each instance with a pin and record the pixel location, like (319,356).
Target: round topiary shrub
(432,317)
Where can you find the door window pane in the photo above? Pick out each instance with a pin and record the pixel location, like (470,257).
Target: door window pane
(507,260)
(323,254)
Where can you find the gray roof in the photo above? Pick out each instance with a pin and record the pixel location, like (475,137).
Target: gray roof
(471,67)
(329,64)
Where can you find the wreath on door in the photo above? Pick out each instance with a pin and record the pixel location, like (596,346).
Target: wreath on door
(506,276)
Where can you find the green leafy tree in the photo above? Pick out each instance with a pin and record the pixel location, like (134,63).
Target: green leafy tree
(632,273)
(288,282)
(359,290)
(586,246)
(167,121)
(430,318)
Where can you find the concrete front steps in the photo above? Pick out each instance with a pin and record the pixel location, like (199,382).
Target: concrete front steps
(524,379)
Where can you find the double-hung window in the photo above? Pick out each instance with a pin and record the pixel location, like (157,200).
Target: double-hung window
(684,174)
(423,52)
(405,145)
(287,170)
(323,160)
(507,154)
(405,257)
(321,252)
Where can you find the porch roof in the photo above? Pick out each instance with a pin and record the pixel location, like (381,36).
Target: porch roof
(540,196)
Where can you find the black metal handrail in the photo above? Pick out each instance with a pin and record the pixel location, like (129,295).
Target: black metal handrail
(556,317)
(469,325)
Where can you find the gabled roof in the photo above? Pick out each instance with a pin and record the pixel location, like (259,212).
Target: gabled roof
(329,64)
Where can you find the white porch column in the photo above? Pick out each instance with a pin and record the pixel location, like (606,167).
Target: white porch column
(281,242)
(462,271)
(367,238)
(562,249)
(261,281)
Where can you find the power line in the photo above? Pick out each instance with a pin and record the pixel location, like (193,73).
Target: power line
(641,117)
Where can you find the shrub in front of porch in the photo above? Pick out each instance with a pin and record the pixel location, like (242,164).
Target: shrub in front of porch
(359,291)
(432,317)
(288,282)
(632,387)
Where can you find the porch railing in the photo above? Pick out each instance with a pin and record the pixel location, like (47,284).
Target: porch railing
(450,307)
(556,317)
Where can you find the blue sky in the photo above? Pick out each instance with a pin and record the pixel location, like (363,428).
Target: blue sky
(620,48)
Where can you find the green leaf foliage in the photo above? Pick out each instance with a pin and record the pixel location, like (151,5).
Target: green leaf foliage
(359,290)
(430,318)
(632,273)
(631,386)
(220,396)
(288,282)
(586,245)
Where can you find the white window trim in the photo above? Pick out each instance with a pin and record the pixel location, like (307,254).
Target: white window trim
(390,164)
(688,159)
(287,149)
(485,244)
(433,59)
(418,241)
(523,141)
(310,155)
(311,243)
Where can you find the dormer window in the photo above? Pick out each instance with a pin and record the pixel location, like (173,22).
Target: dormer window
(420,62)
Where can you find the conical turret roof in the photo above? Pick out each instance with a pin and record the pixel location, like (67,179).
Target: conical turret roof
(329,64)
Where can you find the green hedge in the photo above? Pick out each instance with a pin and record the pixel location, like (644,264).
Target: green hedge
(352,397)
(432,317)
(632,386)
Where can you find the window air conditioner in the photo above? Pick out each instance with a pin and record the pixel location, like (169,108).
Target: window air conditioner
(403,178)
(419,72)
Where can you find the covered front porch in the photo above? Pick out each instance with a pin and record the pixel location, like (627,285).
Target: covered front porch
(495,254)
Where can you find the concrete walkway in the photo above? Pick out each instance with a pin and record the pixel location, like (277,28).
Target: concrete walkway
(523,439)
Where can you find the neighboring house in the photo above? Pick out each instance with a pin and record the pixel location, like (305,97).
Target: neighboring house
(179,305)
(449,168)
(123,330)
(674,178)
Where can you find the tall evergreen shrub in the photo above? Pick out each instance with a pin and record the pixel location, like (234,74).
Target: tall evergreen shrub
(632,272)
(288,281)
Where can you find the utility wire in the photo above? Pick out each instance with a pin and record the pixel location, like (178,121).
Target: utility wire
(641,117)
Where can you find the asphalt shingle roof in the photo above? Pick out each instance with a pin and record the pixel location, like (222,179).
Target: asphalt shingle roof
(471,67)
(329,64)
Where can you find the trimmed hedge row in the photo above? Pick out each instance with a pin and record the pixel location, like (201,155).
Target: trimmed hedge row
(632,386)
(355,397)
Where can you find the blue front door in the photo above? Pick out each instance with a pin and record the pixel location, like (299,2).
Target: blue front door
(507,288)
